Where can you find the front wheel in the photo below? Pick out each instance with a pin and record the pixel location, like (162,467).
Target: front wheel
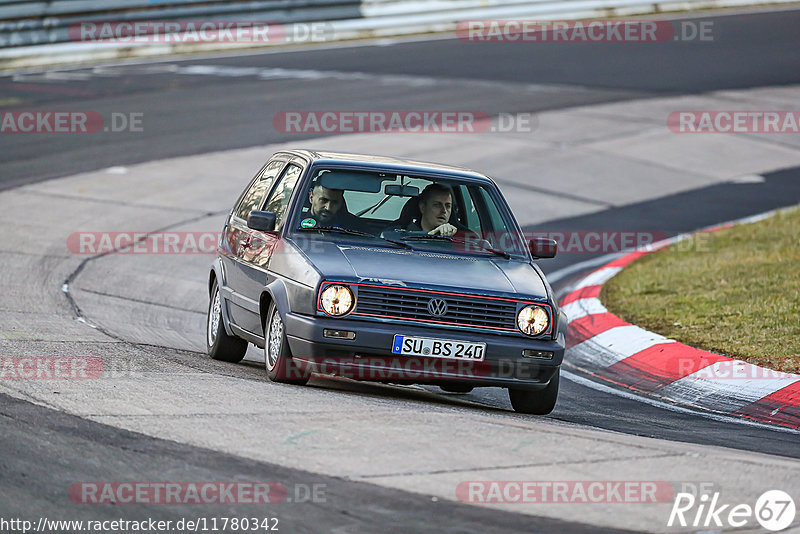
(539,402)
(219,345)
(277,357)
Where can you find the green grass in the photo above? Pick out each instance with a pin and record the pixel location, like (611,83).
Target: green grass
(734,292)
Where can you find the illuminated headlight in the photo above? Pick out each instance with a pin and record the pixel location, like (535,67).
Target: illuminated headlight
(533,320)
(337,300)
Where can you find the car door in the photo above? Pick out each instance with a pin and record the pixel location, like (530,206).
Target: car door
(256,248)
(236,235)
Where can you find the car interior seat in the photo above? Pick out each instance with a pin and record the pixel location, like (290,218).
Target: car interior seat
(411,211)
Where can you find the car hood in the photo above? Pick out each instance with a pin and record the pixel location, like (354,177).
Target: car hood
(474,274)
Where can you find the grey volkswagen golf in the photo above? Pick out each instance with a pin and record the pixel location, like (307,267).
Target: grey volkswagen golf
(380,269)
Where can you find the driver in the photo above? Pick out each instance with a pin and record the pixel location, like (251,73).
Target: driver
(435,206)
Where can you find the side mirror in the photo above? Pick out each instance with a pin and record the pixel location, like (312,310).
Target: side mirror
(543,247)
(263,221)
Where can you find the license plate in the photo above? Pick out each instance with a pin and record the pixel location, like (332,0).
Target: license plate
(438,348)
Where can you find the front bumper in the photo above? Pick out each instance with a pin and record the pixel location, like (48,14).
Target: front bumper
(369,355)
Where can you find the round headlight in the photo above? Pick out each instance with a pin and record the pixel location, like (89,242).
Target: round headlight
(337,300)
(532,320)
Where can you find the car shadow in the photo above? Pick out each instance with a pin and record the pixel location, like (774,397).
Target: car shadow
(415,393)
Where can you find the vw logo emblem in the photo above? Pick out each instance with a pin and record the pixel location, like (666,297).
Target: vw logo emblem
(437,307)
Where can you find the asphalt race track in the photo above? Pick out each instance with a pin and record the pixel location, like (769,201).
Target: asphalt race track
(388,456)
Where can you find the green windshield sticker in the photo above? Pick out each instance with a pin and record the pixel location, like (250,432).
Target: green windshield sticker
(308,223)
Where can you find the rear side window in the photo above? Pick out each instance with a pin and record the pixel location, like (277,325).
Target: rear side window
(255,195)
(280,197)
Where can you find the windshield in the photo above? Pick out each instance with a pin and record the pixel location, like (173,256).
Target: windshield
(442,214)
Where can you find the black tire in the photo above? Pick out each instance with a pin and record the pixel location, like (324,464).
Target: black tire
(219,345)
(539,402)
(456,388)
(277,356)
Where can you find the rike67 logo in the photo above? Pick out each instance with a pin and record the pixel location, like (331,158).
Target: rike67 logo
(774,510)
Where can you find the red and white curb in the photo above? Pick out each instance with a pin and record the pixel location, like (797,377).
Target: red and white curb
(611,349)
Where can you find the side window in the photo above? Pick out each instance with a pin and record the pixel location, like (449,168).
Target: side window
(252,199)
(279,199)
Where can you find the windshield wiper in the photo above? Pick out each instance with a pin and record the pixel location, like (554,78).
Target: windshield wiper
(501,253)
(426,237)
(436,237)
(348,231)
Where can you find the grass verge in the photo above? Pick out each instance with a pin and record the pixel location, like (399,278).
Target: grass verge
(735,292)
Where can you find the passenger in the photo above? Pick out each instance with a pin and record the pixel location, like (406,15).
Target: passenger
(328,207)
(435,206)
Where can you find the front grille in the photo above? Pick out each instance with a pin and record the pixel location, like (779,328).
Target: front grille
(462,310)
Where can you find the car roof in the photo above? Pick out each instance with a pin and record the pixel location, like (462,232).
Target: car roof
(385,163)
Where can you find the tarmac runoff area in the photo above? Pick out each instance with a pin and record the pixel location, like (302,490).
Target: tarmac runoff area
(142,316)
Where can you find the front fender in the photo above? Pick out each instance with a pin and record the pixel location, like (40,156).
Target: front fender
(563,324)
(218,273)
(275,292)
